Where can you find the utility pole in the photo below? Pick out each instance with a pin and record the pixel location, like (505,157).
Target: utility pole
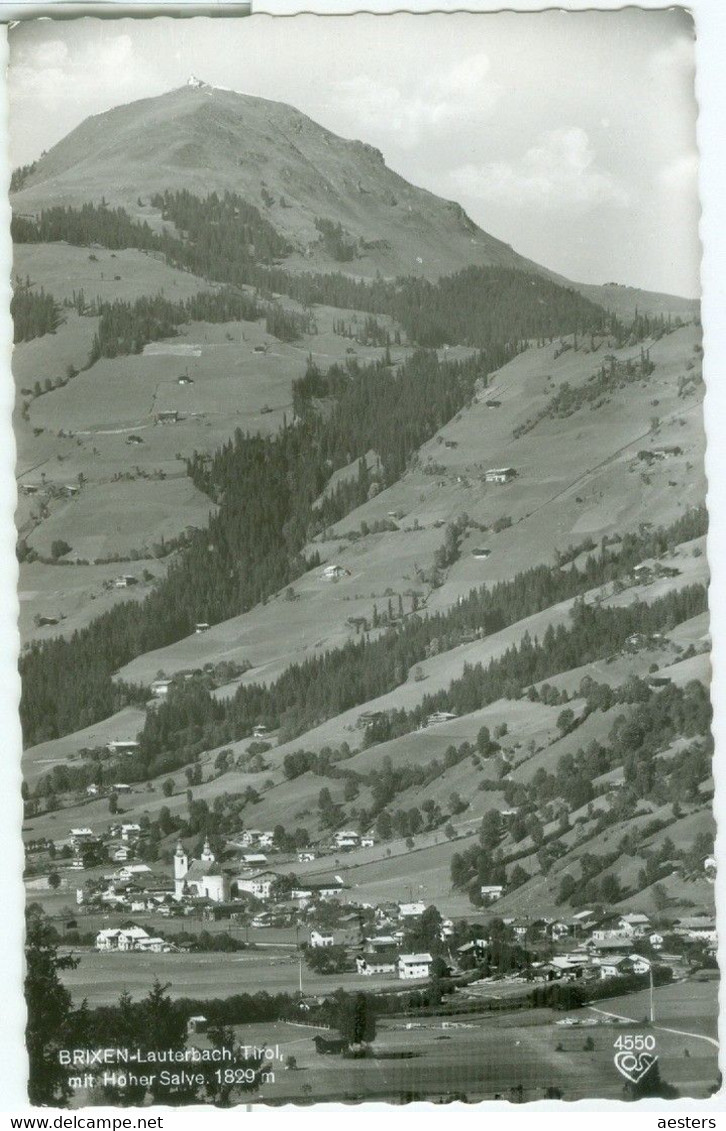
(652,1006)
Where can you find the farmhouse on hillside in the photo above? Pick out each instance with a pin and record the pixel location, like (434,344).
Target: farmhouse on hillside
(334,573)
(125,581)
(122,745)
(500,474)
(440,717)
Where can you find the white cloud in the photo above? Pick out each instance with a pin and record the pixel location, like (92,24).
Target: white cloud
(464,80)
(559,170)
(413,107)
(54,53)
(49,75)
(679,177)
(678,59)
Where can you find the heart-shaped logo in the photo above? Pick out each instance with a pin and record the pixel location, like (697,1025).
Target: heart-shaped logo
(633,1066)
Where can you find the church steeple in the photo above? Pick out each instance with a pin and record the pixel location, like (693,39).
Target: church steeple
(208,856)
(181,862)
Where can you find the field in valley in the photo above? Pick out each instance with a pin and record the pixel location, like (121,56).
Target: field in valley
(485,1057)
(101,977)
(482,1056)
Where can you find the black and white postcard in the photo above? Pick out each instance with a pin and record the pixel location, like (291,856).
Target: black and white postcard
(362,560)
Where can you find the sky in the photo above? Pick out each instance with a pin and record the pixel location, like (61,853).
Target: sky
(569,135)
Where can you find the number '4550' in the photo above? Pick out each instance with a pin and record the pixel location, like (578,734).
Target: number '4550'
(636,1042)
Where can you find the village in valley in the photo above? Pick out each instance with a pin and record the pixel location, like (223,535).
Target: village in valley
(291,921)
(361,938)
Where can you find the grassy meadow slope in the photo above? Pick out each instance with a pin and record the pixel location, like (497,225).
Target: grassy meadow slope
(124,275)
(101,429)
(578,476)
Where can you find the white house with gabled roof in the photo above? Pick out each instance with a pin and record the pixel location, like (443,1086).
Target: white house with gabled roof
(258,884)
(108,939)
(411,910)
(412,966)
(318,939)
(634,923)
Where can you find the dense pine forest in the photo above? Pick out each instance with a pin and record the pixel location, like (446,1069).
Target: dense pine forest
(126,327)
(34,313)
(220,232)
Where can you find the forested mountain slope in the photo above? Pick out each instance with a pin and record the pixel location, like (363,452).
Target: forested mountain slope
(333,201)
(302,440)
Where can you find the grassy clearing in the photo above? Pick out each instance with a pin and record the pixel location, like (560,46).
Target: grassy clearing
(488,1056)
(77,594)
(51,355)
(126,275)
(104,519)
(37,760)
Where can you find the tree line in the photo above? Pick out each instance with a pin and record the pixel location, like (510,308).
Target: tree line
(126,327)
(227,240)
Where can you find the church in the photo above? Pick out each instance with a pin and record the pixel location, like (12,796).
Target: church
(199,877)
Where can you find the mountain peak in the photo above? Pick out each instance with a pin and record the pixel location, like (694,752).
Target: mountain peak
(205,138)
